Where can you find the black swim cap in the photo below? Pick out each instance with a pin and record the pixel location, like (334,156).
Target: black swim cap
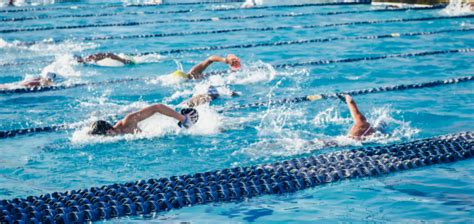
(100,127)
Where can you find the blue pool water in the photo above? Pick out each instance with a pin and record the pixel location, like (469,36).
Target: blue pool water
(65,160)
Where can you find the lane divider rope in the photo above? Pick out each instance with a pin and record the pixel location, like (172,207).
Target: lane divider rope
(304,41)
(152,196)
(17,132)
(257,29)
(360,2)
(283,65)
(18,19)
(317,97)
(36,9)
(212,19)
(273,44)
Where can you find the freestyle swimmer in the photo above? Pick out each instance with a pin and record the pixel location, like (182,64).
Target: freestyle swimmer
(102,58)
(361,128)
(212,94)
(196,71)
(129,125)
(40,81)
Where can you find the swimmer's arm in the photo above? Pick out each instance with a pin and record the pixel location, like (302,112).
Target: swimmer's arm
(32,83)
(355,113)
(197,70)
(134,118)
(100,56)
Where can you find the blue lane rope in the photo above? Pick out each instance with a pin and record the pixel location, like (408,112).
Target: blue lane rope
(304,41)
(362,2)
(152,196)
(12,133)
(317,97)
(273,44)
(278,43)
(17,19)
(283,65)
(373,58)
(258,29)
(213,19)
(114,6)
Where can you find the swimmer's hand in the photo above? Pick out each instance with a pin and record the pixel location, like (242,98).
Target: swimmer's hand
(341,97)
(191,117)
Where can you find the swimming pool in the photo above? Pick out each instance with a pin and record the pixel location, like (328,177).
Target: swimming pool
(65,160)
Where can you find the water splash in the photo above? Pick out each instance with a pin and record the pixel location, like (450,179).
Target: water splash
(285,132)
(154,127)
(459,7)
(48,47)
(64,65)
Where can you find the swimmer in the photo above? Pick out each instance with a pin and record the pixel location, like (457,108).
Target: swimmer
(40,81)
(104,59)
(129,125)
(212,94)
(361,128)
(196,72)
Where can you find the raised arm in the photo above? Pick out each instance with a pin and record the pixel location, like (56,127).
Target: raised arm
(355,113)
(196,71)
(134,118)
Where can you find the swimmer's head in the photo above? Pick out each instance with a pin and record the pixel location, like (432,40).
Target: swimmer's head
(381,126)
(180,74)
(51,76)
(78,58)
(100,127)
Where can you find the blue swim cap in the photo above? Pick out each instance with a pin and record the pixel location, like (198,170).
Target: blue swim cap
(53,77)
(213,92)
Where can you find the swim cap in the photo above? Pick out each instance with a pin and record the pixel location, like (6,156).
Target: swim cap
(236,65)
(213,92)
(180,74)
(100,127)
(51,76)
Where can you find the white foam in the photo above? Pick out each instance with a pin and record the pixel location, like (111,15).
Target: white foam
(256,72)
(279,137)
(63,65)
(458,7)
(154,127)
(150,58)
(329,116)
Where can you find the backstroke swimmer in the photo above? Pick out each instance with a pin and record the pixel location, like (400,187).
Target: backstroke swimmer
(129,125)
